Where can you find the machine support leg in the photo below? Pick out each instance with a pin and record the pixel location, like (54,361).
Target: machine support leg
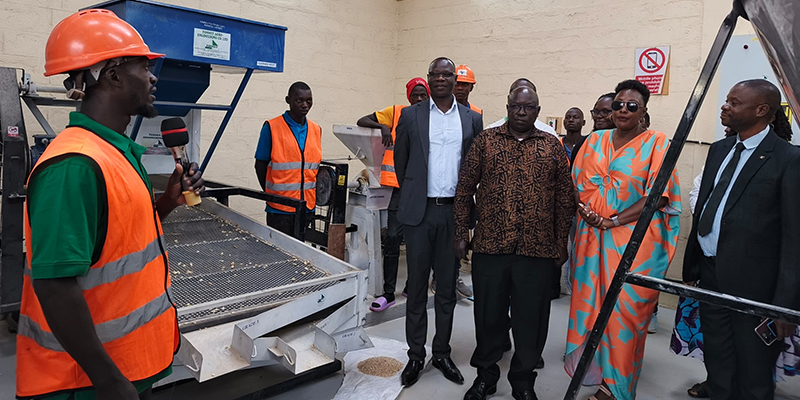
(15,169)
(227,118)
(300,222)
(39,116)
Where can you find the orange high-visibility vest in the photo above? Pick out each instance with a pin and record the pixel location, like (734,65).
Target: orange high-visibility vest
(388,174)
(475,108)
(291,172)
(126,289)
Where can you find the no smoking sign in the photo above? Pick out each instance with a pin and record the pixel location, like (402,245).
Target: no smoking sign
(652,64)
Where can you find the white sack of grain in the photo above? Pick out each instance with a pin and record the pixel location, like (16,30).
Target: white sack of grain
(379,360)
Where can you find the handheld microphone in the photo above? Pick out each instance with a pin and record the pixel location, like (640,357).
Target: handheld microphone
(176,137)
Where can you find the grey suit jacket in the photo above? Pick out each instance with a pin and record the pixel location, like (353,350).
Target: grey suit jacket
(758,253)
(411,156)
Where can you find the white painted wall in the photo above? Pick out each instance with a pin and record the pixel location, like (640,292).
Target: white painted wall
(357,55)
(343,49)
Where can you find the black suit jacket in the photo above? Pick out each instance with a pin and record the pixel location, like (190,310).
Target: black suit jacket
(411,156)
(758,252)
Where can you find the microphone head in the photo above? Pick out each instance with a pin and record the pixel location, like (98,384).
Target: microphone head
(174,133)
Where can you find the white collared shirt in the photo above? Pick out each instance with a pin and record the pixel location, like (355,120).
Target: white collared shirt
(538,125)
(709,242)
(444,155)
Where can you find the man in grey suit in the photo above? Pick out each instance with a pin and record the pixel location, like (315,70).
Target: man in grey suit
(432,138)
(745,241)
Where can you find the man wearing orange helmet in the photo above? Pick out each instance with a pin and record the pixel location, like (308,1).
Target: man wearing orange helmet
(386,120)
(96,318)
(465,82)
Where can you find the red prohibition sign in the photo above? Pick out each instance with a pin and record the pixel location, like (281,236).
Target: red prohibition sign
(655,62)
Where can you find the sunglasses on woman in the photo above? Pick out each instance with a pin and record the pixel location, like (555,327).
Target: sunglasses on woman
(632,106)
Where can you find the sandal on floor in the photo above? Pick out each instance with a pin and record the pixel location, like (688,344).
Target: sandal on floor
(380,304)
(699,391)
(604,393)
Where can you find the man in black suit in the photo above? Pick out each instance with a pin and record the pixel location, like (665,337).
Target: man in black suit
(432,138)
(745,241)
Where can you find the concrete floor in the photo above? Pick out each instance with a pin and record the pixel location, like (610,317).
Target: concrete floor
(665,376)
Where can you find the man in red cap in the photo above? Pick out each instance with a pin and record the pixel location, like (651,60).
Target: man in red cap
(386,120)
(96,319)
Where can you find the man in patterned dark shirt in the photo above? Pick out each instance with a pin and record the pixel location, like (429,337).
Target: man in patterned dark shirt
(525,206)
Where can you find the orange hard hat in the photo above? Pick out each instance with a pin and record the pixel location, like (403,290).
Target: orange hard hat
(91,36)
(465,74)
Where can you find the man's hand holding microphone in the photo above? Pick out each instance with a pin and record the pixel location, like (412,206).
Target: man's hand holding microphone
(186,182)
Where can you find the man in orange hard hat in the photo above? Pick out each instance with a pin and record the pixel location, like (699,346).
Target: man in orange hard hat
(465,82)
(386,120)
(96,320)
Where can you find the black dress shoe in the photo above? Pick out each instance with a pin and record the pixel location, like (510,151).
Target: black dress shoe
(540,364)
(479,390)
(410,374)
(449,369)
(524,395)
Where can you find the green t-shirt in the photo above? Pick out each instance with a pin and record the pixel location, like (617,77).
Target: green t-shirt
(67,206)
(68,211)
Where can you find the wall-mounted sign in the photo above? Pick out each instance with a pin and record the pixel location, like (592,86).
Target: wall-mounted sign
(652,68)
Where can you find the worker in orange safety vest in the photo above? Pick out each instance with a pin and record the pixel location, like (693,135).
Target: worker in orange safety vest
(386,120)
(96,318)
(288,156)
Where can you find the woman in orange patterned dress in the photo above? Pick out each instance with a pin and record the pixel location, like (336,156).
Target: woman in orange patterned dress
(613,173)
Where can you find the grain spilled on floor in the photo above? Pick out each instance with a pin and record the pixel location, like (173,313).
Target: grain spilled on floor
(380,366)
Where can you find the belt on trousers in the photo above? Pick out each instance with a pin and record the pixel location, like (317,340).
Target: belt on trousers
(440,201)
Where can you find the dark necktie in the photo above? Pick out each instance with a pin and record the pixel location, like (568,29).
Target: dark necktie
(711,208)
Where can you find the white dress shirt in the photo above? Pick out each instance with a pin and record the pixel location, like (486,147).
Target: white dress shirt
(538,124)
(695,192)
(709,242)
(444,154)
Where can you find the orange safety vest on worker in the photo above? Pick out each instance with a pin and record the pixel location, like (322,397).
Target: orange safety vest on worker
(388,174)
(291,172)
(475,108)
(126,289)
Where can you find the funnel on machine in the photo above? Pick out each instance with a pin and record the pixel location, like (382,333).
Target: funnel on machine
(366,145)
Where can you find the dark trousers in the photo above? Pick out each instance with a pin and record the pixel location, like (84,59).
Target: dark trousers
(524,283)
(740,366)
(285,222)
(430,244)
(391,245)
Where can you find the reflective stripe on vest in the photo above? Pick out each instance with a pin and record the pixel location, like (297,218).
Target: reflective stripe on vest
(107,331)
(388,173)
(290,172)
(292,165)
(114,270)
(290,187)
(126,289)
